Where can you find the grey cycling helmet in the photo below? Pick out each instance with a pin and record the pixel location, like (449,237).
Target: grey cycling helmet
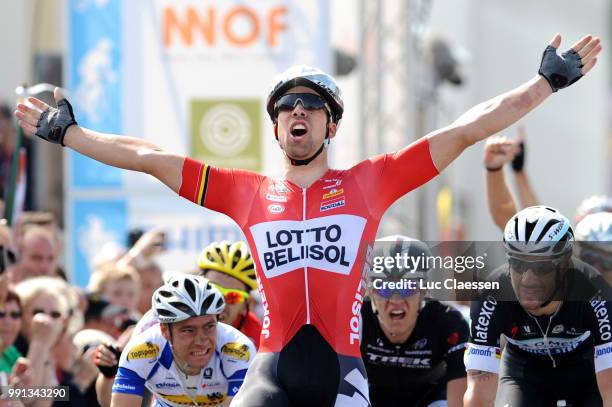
(390,247)
(313,78)
(538,231)
(186,296)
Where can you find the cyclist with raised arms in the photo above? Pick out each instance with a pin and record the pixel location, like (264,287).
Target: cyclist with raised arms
(306,229)
(412,346)
(553,311)
(188,358)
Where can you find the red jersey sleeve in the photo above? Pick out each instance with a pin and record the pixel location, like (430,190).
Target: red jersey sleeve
(225,190)
(387,177)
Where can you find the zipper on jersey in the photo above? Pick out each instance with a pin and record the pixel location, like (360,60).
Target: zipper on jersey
(306,259)
(545,334)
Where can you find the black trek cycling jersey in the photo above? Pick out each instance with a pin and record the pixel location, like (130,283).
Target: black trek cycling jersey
(576,338)
(414,373)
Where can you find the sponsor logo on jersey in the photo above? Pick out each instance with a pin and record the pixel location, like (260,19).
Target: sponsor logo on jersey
(212,399)
(328,243)
(237,350)
(276,198)
(165,385)
(602,351)
(603,320)
(279,188)
(147,350)
(484,319)
(122,386)
(403,361)
(265,325)
(480,352)
(333,193)
(355,321)
(539,346)
(558,328)
(420,344)
(333,183)
(276,208)
(208,372)
(527,329)
(327,206)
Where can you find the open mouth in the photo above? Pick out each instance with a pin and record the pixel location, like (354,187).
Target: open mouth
(397,314)
(298,130)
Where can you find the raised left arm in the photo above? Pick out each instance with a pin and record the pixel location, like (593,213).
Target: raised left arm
(488,118)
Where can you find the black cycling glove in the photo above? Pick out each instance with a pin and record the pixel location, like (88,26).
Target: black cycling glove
(519,159)
(560,71)
(108,371)
(54,122)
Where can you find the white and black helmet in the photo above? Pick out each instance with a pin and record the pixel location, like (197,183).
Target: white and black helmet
(313,78)
(538,231)
(391,246)
(185,296)
(596,228)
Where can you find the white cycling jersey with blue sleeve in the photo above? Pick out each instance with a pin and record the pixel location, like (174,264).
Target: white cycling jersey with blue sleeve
(147,361)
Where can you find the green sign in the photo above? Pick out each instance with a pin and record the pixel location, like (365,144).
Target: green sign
(227,132)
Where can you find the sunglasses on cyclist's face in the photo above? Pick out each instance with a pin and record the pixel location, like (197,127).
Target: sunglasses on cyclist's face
(232,296)
(288,102)
(12,314)
(52,314)
(387,293)
(538,267)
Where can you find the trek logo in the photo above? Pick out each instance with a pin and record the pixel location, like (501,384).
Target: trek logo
(603,319)
(484,319)
(328,243)
(401,361)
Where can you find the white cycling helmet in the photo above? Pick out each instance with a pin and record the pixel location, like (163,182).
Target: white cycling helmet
(596,228)
(538,231)
(186,296)
(593,204)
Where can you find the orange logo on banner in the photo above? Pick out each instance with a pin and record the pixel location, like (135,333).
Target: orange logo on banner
(185,25)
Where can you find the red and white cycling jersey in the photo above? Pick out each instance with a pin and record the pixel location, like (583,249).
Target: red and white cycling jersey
(310,244)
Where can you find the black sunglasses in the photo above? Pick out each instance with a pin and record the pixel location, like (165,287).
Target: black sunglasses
(540,267)
(310,101)
(52,314)
(12,314)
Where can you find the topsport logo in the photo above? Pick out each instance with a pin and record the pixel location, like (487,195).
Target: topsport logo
(328,243)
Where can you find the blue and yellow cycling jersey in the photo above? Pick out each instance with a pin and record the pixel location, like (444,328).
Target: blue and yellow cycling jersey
(147,361)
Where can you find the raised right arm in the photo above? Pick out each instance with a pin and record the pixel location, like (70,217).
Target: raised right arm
(129,153)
